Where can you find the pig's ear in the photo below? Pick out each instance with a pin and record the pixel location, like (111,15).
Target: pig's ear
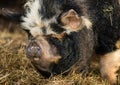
(71,20)
(12,14)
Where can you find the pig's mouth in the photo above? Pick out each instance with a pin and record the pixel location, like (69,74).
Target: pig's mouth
(43,55)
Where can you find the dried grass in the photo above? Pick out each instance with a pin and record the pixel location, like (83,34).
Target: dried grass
(16,69)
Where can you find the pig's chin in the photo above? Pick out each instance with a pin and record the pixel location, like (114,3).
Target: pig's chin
(46,72)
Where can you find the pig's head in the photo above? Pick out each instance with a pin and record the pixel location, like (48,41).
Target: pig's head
(42,54)
(50,24)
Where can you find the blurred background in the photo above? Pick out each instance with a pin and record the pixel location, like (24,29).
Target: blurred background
(6,24)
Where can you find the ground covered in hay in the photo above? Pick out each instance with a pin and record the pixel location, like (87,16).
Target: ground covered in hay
(16,69)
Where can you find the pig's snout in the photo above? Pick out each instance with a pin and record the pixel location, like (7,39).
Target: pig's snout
(33,50)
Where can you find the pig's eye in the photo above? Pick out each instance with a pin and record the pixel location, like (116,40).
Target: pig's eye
(27,31)
(29,34)
(57,28)
(44,30)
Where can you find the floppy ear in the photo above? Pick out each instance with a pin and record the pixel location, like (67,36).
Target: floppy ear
(71,20)
(12,14)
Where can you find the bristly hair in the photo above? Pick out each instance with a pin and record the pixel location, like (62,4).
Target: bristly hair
(42,13)
(50,7)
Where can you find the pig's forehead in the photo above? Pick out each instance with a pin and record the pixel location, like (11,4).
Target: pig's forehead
(40,14)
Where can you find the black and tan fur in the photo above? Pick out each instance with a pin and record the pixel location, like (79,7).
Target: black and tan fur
(107,30)
(66,26)
(65,34)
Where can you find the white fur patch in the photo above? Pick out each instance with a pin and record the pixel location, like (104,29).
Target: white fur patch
(87,22)
(32,19)
(28,4)
(34,23)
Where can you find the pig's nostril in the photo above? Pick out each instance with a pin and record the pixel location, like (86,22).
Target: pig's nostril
(33,51)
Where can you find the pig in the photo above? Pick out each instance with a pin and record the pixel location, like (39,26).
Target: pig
(65,34)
